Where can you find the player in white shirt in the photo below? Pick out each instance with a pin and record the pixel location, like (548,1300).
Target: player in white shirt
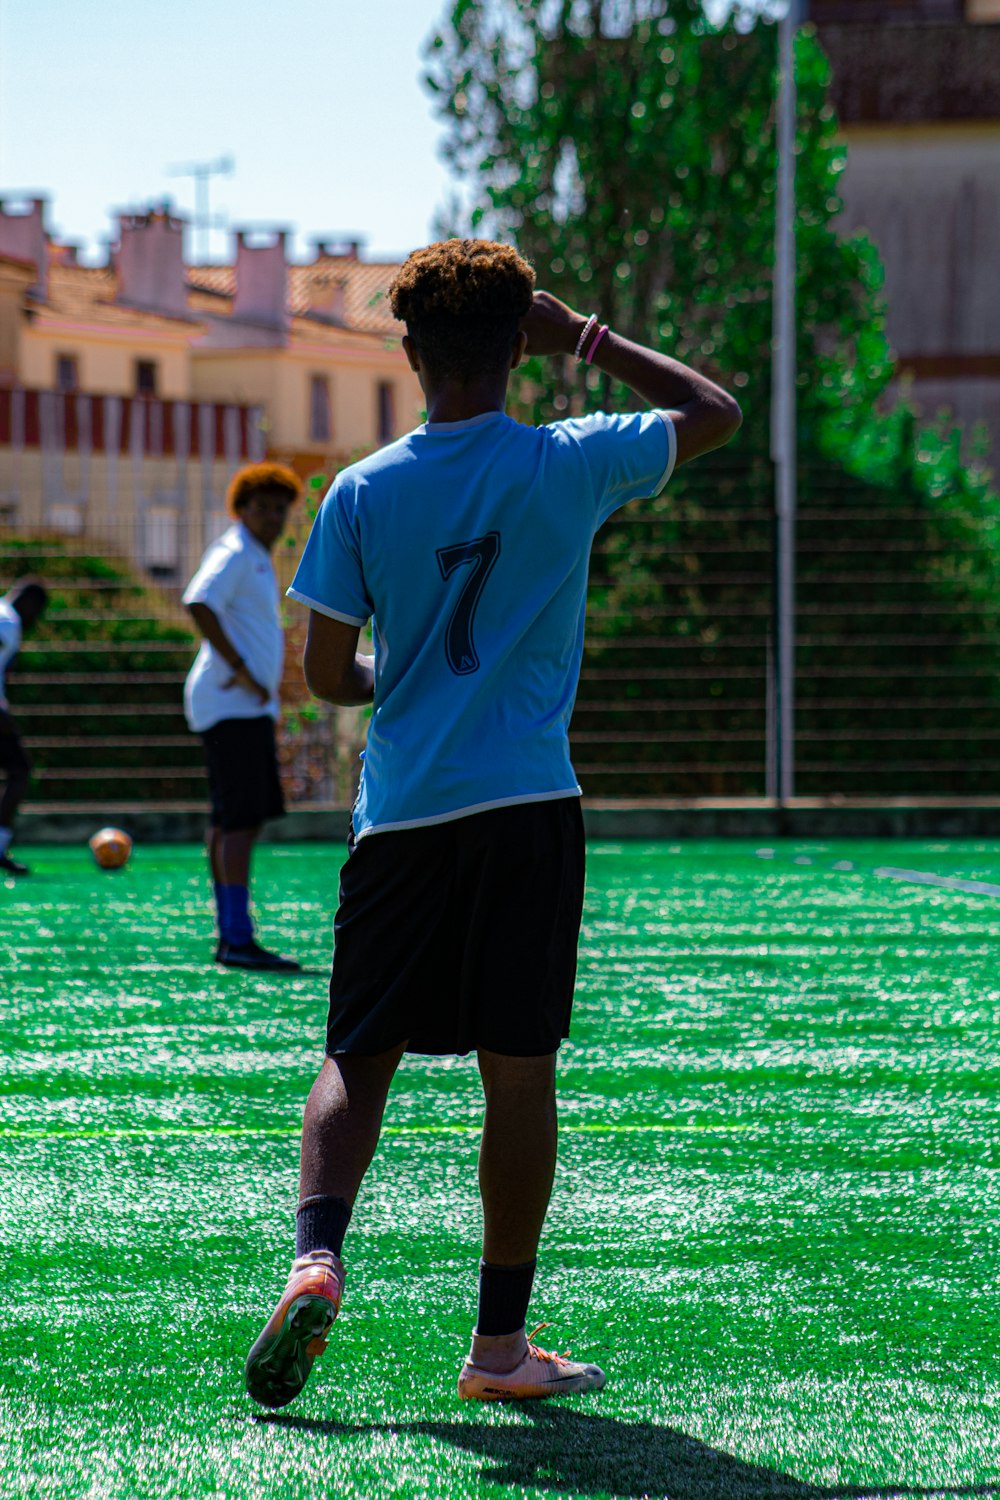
(19,611)
(231,695)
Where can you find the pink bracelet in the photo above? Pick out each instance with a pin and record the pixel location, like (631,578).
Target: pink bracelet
(593,348)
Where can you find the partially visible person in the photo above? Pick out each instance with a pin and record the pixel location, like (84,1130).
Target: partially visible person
(19,611)
(231,695)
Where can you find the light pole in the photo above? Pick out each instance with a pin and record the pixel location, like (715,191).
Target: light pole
(781,657)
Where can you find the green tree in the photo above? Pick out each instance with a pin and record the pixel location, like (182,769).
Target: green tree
(628,147)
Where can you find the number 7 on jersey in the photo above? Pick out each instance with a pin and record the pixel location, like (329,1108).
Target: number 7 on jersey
(459,647)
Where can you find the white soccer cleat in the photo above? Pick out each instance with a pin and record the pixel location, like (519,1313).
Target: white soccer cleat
(538,1374)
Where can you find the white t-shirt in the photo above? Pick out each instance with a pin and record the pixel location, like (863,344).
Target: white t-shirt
(237,581)
(10,643)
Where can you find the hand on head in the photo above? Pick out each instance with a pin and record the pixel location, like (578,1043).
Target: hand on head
(551,326)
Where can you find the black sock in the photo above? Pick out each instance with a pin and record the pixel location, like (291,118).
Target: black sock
(504,1293)
(320,1224)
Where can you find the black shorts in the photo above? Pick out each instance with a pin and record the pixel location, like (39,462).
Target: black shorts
(13,756)
(460,935)
(243,782)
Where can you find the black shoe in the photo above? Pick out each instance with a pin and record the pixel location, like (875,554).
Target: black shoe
(13,866)
(252,956)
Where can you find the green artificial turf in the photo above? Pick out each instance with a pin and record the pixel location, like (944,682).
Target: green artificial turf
(775,1220)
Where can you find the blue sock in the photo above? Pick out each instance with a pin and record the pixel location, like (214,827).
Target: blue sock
(237,928)
(218,887)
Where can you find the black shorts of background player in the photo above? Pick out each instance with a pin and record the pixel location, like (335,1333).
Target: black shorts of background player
(19,611)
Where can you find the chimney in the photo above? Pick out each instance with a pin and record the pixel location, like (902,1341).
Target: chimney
(64,253)
(149,262)
(337,249)
(22,235)
(327,297)
(261,281)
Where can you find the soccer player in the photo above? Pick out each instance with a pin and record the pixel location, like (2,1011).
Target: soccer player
(19,610)
(231,695)
(467,543)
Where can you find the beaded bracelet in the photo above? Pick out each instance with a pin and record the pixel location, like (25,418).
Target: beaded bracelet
(593,348)
(587,330)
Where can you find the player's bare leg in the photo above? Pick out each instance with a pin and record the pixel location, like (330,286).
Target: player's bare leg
(517,1154)
(339,1134)
(517,1160)
(342,1121)
(13,794)
(213,844)
(235,850)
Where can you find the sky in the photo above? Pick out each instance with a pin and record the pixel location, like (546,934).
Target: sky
(318,101)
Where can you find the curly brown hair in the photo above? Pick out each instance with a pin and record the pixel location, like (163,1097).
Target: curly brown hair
(462,302)
(246,482)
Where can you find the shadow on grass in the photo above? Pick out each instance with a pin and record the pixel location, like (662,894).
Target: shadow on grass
(280,976)
(564,1450)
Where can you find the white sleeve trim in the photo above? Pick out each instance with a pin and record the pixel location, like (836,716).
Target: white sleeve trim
(324,609)
(671,450)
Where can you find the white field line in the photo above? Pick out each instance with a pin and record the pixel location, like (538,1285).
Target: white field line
(950,882)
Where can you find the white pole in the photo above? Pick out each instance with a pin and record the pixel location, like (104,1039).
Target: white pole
(781,768)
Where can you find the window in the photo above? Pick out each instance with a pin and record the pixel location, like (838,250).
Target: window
(386,419)
(67,517)
(162,541)
(983,10)
(67,373)
(145,377)
(320,415)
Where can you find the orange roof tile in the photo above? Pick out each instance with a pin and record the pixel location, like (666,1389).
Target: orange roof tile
(88,293)
(365,284)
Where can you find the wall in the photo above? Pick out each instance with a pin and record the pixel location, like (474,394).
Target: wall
(137,514)
(279,381)
(145,480)
(12,287)
(248,377)
(106,361)
(929,195)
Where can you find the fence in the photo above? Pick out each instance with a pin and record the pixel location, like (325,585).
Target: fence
(897,651)
(898,654)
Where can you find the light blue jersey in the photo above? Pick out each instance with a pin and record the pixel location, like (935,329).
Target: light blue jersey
(468,544)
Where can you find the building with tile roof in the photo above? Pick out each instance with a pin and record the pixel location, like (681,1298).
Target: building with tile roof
(117,380)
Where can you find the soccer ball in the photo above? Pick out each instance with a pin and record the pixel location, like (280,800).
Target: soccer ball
(111,848)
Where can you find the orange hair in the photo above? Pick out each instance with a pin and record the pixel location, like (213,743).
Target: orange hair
(253,477)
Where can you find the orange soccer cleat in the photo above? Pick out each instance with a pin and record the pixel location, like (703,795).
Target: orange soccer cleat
(279,1363)
(538,1374)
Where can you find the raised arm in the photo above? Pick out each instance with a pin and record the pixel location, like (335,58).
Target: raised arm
(704,415)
